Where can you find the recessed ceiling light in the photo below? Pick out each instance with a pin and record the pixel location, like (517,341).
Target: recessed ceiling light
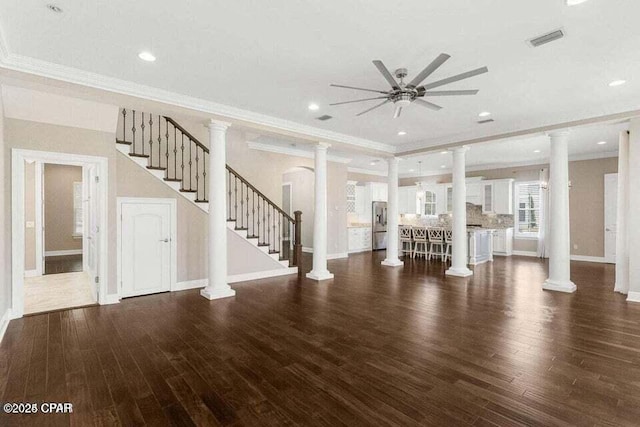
(602,142)
(147,56)
(443,166)
(536,151)
(54,8)
(617,83)
(314,107)
(412,170)
(574,2)
(402,133)
(484,114)
(444,152)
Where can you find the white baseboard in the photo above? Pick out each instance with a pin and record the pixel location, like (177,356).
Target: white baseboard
(585,258)
(63,253)
(357,251)
(110,299)
(201,283)
(338,255)
(31,273)
(4,322)
(633,297)
(525,253)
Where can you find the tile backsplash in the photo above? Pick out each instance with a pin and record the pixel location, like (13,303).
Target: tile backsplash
(474,217)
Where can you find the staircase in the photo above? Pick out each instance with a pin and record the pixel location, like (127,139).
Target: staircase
(170,153)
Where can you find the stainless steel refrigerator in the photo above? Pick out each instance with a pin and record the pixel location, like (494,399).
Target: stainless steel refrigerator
(379,224)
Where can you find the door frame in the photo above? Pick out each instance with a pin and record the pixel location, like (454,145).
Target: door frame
(18,158)
(607,256)
(173,257)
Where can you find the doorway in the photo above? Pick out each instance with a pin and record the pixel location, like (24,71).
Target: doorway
(58,257)
(146,246)
(610,216)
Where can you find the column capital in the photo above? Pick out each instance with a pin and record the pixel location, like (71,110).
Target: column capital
(218,125)
(394,159)
(461,149)
(560,133)
(322,145)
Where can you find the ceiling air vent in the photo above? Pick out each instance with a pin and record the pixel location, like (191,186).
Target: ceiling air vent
(547,38)
(482,122)
(324,117)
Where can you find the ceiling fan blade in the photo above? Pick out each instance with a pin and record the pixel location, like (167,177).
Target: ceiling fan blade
(385,72)
(427,104)
(455,78)
(373,108)
(358,100)
(449,92)
(431,68)
(358,88)
(397,112)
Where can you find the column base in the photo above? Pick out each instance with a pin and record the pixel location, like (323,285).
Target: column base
(459,272)
(559,286)
(633,297)
(319,275)
(618,288)
(217,293)
(392,262)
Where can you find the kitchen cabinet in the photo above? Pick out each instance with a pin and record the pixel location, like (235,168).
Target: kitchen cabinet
(473,193)
(378,191)
(407,200)
(362,201)
(503,242)
(487,198)
(351,196)
(503,196)
(359,239)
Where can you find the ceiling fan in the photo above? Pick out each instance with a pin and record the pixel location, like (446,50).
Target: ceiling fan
(402,94)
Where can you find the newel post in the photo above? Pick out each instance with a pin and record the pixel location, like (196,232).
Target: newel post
(297,238)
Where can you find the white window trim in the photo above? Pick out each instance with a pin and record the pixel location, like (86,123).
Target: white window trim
(516,211)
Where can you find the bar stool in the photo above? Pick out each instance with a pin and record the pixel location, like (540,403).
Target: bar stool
(419,241)
(406,240)
(448,240)
(436,240)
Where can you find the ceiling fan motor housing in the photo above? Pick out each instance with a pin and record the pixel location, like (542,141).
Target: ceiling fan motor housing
(403,98)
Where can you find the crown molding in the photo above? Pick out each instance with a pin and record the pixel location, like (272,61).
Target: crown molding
(366,171)
(262,146)
(50,70)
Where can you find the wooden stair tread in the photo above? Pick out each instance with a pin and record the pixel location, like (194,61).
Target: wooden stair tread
(146,156)
(184,190)
(201,201)
(124,142)
(172,179)
(156,168)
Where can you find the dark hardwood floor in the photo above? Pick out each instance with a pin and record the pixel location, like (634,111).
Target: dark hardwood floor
(62,264)
(375,346)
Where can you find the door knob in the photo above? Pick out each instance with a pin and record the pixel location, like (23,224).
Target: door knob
(165,240)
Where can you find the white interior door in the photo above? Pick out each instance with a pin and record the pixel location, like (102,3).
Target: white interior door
(610,213)
(146,249)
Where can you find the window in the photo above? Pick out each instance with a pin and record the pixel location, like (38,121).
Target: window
(77,209)
(429,203)
(527,209)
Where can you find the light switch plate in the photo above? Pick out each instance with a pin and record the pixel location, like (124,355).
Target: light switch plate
(30,224)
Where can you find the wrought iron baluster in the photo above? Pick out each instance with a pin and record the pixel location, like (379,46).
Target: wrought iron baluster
(133,131)
(269,225)
(182,165)
(241,219)
(190,163)
(197,177)
(205,196)
(280,234)
(246,224)
(253,213)
(258,220)
(175,153)
(228,195)
(124,125)
(151,140)
(235,197)
(167,153)
(142,127)
(159,141)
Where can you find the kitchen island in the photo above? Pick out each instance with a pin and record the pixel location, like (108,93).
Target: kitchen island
(480,245)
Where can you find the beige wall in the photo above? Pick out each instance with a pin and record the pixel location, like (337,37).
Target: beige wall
(364,177)
(5,222)
(586,204)
(47,137)
(29,215)
(586,200)
(58,207)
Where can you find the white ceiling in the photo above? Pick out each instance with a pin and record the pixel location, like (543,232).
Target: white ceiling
(274,57)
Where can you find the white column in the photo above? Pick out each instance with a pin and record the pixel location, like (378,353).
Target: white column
(460,241)
(320,271)
(622,241)
(217,287)
(633,217)
(392,259)
(559,238)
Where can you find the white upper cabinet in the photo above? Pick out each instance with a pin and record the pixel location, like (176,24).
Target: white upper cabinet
(474,191)
(407,200)
(378,191)
(503,196)
(487,198)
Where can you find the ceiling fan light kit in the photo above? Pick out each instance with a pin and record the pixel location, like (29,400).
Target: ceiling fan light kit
(403,94)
